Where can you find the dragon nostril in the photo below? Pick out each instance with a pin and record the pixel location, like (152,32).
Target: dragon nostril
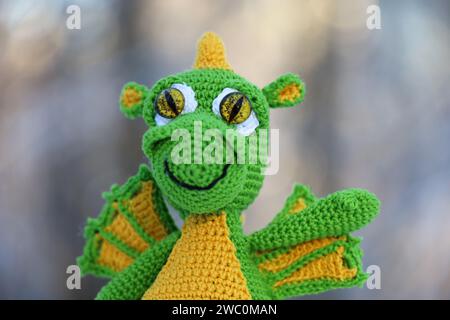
(153,145)
(156,144)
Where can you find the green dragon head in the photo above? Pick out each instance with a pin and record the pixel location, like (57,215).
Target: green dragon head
(192,114)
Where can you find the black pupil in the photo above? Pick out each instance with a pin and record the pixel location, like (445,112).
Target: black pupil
(236,108)
(170,102)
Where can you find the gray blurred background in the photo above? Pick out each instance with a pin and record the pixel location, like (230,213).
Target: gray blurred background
(376,116)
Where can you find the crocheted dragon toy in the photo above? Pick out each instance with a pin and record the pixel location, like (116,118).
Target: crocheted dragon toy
(307,247)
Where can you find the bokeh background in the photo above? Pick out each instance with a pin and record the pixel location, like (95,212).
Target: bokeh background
(376,116)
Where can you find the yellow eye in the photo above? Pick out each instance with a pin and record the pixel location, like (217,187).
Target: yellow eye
(235,108)
(169,103)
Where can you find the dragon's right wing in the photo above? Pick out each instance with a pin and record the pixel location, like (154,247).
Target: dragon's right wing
(133,219)
(308,248)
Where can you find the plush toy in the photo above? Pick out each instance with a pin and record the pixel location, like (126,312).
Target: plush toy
(307,247)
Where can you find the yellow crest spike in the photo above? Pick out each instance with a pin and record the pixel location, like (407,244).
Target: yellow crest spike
(211,53)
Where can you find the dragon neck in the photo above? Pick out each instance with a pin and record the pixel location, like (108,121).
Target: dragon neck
(226,222)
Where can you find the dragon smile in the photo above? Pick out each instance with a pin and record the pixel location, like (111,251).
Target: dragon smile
(192,187)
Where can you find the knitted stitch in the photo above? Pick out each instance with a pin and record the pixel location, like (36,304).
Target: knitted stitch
(211,53)
(203,255)
(133,219)
(307,248)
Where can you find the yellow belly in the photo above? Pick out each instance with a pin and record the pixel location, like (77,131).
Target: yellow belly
(202,265)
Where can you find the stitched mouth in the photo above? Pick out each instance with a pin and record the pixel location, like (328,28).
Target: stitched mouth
(193,187)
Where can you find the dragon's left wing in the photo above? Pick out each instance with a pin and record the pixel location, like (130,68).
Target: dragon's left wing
(133,219)
(307,248)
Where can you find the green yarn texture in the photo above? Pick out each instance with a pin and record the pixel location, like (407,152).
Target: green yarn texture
(132,283)
(88,262)
(212,188)
(242,183)
(273,90)
(135,110)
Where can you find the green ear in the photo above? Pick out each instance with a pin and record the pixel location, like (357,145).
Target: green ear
(132,99)
(287,91)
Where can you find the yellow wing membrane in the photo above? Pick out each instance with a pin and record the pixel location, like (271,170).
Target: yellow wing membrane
(133,219)
(307,247)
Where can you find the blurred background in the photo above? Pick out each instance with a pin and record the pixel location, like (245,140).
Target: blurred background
(376,116)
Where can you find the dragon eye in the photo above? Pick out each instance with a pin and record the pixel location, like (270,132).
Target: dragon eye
(169,103)
(235,108)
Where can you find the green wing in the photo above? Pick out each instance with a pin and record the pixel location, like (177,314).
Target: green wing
(307,248)
(133,219)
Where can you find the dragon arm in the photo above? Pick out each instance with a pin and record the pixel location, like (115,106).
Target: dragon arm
(337,214)
(307,248)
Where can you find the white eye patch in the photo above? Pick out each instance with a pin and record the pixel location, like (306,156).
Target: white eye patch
(190,103)
(245,128)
